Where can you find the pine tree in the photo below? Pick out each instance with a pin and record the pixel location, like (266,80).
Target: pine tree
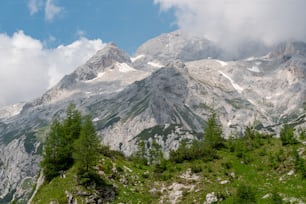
(58,146)
(54,151)
(86,148)
(155,153)
(72,123)
(213,132)
(140,156)
(287,135)
(71,128)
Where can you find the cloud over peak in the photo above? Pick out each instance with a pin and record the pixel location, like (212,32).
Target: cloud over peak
(27,68)
(232,21)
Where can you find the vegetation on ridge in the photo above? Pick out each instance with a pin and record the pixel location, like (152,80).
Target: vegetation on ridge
(255,168)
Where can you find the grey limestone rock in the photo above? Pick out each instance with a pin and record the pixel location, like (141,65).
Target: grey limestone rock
(166,94)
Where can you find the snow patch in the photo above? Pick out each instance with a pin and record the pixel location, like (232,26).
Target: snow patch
(223,64)
(123,67)
(98,77)
(254,69)
(100,74)
(266,57)
(133,59)
(252,102)
(95,119)
(250,59)
(236,86)
(155,64)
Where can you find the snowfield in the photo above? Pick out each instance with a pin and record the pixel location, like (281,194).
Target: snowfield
(222,63)
(236,86)
(155,64)
(133,59)
(254,69)
(123,67)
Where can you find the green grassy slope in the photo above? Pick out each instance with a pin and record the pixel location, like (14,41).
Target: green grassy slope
(269,169)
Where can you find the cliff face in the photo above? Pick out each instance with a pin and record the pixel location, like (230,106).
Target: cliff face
(166,91)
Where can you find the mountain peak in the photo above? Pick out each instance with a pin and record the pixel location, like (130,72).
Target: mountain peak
(289,48)
(179,45)
(100,61)
(103,59)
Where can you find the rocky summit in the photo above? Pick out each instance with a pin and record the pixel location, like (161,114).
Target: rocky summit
(166,91)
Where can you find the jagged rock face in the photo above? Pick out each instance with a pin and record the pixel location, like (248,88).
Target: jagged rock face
(10,111)
(98,63)
(166,92)
(106,73)
(18,168)
(289,49)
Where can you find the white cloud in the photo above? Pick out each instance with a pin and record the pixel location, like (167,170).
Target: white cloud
(81,33)
(27,69)
(232,21)
(34,6)
(51,10)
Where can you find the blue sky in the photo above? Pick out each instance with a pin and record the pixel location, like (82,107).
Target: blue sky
(128,23)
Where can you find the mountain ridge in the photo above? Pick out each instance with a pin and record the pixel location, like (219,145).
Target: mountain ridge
(129,97)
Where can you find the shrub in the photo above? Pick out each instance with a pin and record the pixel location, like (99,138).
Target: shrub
(213,133)
(227,165)
(287,135)
(196,150)
(276,198)
(300,164)
(302,134)
(245,195)
(89,178)
(196,168)
(106,151)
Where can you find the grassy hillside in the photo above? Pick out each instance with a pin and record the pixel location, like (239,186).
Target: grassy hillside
(253,170)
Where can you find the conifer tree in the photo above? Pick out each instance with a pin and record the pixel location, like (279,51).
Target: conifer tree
(213,132)
(54,151)
(287,135)
(58,146)
(71,128)
(155,153)
(86,148)
(72,122)
(140,156)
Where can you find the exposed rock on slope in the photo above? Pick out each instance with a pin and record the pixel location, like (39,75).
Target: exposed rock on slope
(106,73)
(166,92)
(179,45)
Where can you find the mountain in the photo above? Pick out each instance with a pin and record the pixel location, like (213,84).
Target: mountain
(22,134)
(166,92)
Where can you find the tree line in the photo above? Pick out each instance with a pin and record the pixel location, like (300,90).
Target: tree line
(213,140)
(74,140)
